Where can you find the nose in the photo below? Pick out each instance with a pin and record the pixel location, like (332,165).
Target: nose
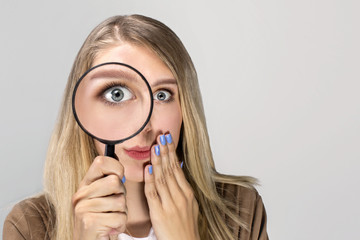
(147,127)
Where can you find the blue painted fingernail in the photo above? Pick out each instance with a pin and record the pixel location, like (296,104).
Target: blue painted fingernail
(169,138)
(123,180)
(157,150)
(182,163)
(162,139)
(150,169)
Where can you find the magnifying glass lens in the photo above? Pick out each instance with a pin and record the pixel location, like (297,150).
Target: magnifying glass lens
(112,102)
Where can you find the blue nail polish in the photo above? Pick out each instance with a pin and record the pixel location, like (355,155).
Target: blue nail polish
(150,170)
(182,163)
(162,139)
(123,180)
(169,138)
(157,150)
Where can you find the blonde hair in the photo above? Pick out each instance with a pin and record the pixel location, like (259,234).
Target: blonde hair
(71,151)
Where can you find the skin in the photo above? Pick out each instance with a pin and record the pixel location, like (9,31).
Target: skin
(164,200)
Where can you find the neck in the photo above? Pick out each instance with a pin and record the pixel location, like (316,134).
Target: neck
(138,223)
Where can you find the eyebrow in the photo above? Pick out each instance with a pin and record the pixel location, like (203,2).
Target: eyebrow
(164,81)
(112,73)
(127,75)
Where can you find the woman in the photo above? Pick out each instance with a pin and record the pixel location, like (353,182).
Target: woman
(172,190)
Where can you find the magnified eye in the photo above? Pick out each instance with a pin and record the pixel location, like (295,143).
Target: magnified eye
(162,95)
(117,94)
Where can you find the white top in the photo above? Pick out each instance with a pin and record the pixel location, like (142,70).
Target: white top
(151,236)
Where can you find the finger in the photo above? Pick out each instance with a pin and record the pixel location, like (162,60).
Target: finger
(105,223)
(173,159)
(105,186)
(181,180)
(113,203)
(159,178)
(169,167)
(101,167)
(150,189)
(164,154)
(165,160)
(195,207)
(175,164)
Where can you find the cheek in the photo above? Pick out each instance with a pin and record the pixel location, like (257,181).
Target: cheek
(100,147)
(170,121)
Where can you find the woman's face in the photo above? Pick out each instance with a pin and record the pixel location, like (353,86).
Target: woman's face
(134,154)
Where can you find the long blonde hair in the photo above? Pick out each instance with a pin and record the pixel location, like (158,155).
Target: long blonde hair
(71,151)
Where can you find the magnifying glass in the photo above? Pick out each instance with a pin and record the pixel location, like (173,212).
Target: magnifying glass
(112,102)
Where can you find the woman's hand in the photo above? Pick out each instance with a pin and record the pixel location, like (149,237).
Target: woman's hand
(173,208)
(99,204)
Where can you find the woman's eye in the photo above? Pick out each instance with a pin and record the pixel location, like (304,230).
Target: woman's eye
(162,95)
(117,94)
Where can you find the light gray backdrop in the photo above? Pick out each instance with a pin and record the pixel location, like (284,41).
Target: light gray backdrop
(279,79)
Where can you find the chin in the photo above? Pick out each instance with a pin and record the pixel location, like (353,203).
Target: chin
(134,174)
(133,169)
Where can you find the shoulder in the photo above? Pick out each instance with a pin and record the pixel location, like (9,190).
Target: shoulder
(246,202)
(31,218)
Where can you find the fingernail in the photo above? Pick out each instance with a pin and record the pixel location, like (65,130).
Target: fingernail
(150,169)
(123,180)
(162,139)
(182,163)
(169,138)
(157,150)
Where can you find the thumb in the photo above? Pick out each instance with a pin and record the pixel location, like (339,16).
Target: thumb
(150,188)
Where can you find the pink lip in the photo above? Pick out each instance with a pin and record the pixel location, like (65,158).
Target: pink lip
(139,153)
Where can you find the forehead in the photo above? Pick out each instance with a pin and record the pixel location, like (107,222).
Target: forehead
(141,58)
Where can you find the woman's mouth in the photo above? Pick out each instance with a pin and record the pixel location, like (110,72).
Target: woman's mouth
(138,153)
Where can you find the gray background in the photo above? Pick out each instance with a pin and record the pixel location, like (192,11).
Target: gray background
(279,79)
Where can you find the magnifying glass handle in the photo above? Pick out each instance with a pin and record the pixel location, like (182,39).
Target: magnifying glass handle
(110,151)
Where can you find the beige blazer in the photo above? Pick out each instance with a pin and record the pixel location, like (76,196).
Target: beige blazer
(32,218)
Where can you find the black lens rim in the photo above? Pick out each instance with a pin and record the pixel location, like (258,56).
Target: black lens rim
(105,141)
